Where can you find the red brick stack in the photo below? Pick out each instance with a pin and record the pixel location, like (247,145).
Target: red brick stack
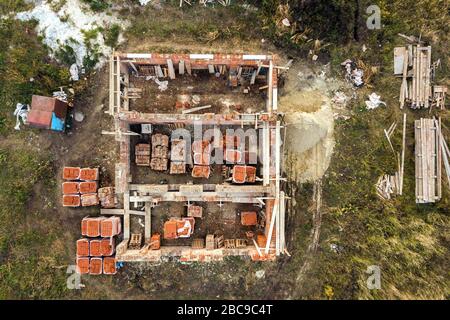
(95,253)
(80,187)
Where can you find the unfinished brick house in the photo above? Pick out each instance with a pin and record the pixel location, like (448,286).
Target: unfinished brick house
(187,187)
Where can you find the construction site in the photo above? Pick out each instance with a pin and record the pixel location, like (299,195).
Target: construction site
(199,173)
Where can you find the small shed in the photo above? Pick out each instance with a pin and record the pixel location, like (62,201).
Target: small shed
(47,113)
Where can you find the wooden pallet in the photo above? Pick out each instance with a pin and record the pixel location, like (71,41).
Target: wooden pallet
(198,243)
(135,241)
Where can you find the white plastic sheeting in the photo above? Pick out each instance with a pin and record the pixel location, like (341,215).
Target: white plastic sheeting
(374,101)
(65,27)
(21,113)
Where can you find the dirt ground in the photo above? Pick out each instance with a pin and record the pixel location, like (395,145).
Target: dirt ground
(209,89)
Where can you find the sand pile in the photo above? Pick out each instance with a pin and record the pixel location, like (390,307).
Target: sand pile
(309,118)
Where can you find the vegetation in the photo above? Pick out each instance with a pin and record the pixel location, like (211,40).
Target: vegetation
(29,246)
(111,35)
(97,5)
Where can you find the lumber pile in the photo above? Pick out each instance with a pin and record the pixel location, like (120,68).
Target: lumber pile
(413,64)
(388,185)
(428,159)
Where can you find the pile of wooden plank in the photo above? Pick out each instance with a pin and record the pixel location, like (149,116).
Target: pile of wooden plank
(428,160)
(160,150)
(393,184)
(413,64)
(388,185)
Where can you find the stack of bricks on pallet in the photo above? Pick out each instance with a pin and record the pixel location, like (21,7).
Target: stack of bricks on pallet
(95,252)
(178,157)
(80,187)
(142,153)
(160,150)
(201,152)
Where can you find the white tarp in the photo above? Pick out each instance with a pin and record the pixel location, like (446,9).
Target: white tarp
(21,112)
(374,101)
(65,26)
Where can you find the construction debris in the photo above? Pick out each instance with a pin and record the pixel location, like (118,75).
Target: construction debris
(353,73)
(439,93)
(21,112)
(74,72)
(107,197)
(393,184)
(374,101)
(340,98)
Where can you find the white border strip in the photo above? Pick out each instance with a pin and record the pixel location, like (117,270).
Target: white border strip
(254,57)
(201,56)
(139,55)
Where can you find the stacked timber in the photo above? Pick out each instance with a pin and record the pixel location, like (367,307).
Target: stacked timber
(388,185)
(413,64)
(428,159)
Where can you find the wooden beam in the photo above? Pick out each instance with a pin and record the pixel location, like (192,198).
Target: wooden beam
(171,69)
(148,221)
(181,67)
(402,167)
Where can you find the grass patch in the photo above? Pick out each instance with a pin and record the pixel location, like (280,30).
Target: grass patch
(28,255)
